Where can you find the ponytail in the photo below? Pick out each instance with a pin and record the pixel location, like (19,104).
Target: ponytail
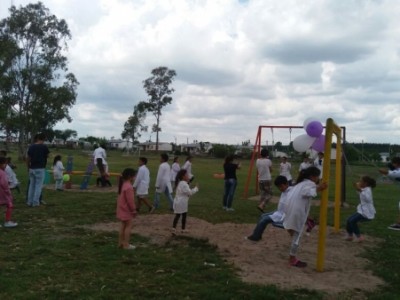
(126,175)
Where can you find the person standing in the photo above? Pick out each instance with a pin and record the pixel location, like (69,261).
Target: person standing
(285,169)
(188,167)
(230,182)
(5,193)
(163,182)
(141,184)
(36,163)
(319,162)
(264,168)
(58,172)
(175,168)
(99,157)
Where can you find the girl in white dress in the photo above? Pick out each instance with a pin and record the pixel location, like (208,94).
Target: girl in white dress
(58,170)
(182,194)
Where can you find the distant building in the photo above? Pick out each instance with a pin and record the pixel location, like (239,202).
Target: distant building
(151,146)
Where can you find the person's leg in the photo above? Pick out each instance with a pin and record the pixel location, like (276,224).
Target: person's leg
(37,182)
(293,261)
(30,189)
(121,235)
(258,231)
(226,191)
(127,233)
(156,200)
(356,229)
(231,193)
(146,202)
(351,223)
(176,219)
(184,221)
(263,194)
(169,197)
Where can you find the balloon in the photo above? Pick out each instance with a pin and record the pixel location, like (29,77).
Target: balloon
(319,144)
(308,121)
(303,142)
(314,128)
(66,177)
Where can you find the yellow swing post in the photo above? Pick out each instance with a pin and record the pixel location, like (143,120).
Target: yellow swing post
(331,128)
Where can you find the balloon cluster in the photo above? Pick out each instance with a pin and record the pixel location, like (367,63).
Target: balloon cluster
(314,139)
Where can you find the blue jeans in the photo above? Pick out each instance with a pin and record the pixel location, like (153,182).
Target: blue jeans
(36,177)
(229,192)
(351,224)
(157,198)
(265,219)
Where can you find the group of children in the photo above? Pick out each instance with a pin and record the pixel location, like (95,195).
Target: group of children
(134,185)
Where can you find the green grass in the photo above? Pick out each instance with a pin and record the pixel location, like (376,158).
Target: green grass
(50,255)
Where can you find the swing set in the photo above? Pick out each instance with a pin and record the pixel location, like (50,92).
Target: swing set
(330,129)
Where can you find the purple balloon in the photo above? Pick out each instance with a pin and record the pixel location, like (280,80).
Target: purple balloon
(319,144)
(314,129)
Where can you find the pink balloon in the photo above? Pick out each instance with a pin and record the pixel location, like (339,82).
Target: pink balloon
(314,129)
(303,142)
(319,144)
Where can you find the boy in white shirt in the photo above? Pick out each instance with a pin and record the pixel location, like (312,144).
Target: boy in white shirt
(141,184)
(264,168)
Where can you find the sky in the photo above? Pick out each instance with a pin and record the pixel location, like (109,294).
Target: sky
(239,65)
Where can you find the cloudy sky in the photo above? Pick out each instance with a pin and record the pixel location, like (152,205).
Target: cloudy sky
(239,64)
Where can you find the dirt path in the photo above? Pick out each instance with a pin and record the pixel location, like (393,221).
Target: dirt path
(265,262)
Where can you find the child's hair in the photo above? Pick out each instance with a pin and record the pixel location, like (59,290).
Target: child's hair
(3,160)
(56,159)
(176,158)
(127,174)
(396,160)
(369,181)
(264,152)
(164,156)
(143,160)
(179,176)
(307,173)
(279,180)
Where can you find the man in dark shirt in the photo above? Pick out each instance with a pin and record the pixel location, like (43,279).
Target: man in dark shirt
(36,162)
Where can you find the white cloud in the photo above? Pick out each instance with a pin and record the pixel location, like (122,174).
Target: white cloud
(239,64)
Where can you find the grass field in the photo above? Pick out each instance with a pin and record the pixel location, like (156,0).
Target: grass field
(50,256)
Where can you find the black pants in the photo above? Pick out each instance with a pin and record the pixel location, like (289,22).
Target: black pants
(176,219)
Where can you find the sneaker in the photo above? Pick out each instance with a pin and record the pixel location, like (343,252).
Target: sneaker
(173,231)
(394,226)
(130,247)
(251,238)
(152,209)
(224,207)
(348,238)
(360,239)
(10,224)
(185,231)
(230,209)
(298,263)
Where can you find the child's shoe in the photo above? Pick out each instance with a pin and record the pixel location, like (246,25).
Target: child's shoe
(298,263)
(184,231)
(130,247)
(360,239)
(10,224)
(348,238)
(173,231)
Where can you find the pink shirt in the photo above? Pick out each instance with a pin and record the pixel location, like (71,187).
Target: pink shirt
(126,208)
(5,193)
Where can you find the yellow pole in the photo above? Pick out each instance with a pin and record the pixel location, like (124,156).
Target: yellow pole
(338,182)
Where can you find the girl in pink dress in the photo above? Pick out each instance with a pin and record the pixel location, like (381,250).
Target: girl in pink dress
(126,209)
(6,198)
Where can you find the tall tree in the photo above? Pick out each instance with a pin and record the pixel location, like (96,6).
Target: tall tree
(158,89)
(134,125)
(35,85)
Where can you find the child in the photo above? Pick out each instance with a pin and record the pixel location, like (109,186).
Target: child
(141,184)
(305,164)
(188,167)
(298,207)
(163,182)
(126,209)
(264,169)
(5,192)
(365,210)
(175,167)
(13,182)
(393,173)
(275,217)
(183,192)
(284,169)
(58,169)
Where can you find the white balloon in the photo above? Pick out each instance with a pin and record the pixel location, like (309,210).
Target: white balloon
(303,142)
(308,121)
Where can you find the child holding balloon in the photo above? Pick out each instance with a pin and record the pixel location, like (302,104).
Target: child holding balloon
(58,169)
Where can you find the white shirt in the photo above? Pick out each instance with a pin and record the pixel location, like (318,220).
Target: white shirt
(284,170)
(142,181)
(188,167)
(58,169)
(279,214)
(298,204)
(319,164)
(183,192)
(264,166)
(163,178)
(366,207)
(11,177)
(175,168)
(304,165)
(100,153)
(394,174)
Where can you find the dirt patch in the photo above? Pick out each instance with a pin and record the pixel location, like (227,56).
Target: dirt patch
(265,262)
